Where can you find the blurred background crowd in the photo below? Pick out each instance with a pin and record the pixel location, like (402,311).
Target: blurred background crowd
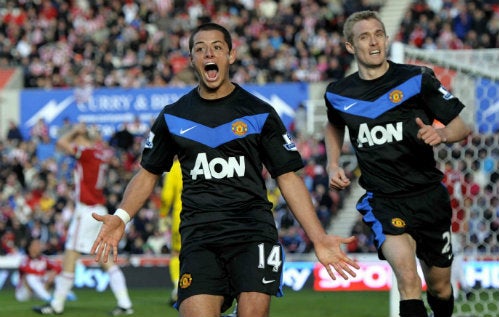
(143,43)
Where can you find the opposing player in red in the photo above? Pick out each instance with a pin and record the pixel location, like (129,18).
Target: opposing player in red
(36,274)
(92,157)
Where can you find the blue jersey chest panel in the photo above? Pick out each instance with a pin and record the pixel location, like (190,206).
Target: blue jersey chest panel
(213,137)
(373,109)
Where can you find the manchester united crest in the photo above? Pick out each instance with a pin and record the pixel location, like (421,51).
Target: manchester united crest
(396,96)
(398,223)
(239,128)
(185,280)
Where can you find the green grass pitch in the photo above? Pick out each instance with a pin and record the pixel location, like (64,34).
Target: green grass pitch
(153,303)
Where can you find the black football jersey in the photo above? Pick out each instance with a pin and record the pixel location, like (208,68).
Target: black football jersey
(222,146)
(380,115)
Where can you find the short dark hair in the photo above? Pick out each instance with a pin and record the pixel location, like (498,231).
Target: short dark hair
(208,27)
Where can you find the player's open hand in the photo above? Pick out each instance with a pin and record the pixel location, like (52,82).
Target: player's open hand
(109,236)
(330,254)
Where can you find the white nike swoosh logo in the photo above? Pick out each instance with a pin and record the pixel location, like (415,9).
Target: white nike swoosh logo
(264,281)
(349,106)
(182,131)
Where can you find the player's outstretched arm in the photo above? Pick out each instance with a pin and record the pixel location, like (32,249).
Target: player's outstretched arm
(327,247)
(136,193)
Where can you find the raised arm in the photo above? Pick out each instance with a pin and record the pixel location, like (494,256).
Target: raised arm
(67,141)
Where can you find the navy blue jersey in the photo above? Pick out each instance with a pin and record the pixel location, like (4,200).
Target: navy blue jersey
(222,146)
(380,115)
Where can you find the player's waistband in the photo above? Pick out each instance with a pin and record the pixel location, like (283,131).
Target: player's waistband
(411,193)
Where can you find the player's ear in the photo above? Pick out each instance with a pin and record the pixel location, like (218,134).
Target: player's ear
(232,56)
(350,48)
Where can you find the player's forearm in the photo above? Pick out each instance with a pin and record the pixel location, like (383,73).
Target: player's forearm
(333,138)
(455,131)
(65,141)
(300,203)
(138,191)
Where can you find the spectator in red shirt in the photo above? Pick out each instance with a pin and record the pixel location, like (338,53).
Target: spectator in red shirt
(36,274)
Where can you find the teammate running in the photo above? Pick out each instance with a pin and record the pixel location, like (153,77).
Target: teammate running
(389,109)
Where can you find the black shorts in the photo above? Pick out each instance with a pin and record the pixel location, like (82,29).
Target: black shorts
(426,216)
(230,269)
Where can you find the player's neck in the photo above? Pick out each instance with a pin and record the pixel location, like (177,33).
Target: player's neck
(216,93)
(372,72)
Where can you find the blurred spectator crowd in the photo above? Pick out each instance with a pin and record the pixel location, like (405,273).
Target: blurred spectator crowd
(451,24)
(139,43)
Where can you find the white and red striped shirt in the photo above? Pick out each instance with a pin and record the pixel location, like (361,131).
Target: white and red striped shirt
(38,266)
(91,173)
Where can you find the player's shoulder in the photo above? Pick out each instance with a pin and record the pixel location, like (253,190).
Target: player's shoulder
(411,69)
(247,97)
(340,85)
(181,102)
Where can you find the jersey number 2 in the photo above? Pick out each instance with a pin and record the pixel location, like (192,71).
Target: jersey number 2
(447,247)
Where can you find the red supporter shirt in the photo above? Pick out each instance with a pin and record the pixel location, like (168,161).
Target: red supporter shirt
(91,174)
(38,266)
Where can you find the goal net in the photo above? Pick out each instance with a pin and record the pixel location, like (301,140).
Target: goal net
(471,172)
